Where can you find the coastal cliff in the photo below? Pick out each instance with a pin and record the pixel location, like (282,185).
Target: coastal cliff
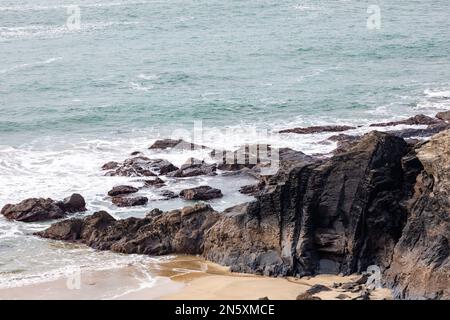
(382,202)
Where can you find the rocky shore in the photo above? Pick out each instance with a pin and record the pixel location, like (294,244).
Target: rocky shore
(382,199)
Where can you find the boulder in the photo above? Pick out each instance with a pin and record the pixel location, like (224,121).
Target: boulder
(72,204)
(110,165)
(121,201)
(40,209)
(157,182)
(201,193)
(121,190)
(318,129)
(167,194)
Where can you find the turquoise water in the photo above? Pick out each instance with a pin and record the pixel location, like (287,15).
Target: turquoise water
(71,100)
(141,65)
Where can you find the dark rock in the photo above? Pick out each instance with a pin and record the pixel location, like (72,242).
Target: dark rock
(420,268)
(142,167)
(135,153)
(317,129)
(121,190)
(40,209)
(157,182)
(110,165)
(422,133)
(252,189)
(263,298)
(445,116)
(344,142)
(201,193)
(416,120)
(167,194)
(194,167)
(129,201)
(33,209)
(342,297)
(177,231)
(175,143)
(72,204)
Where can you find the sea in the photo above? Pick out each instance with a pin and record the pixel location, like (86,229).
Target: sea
(84,82)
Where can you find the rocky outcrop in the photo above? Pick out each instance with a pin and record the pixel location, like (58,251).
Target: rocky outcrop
(420,266)
(317,129)
(194,167)
(139,166)
(444,115)
(201,193)
(177,231)
(40,209)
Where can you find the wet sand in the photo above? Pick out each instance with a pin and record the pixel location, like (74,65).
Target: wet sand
(184,277)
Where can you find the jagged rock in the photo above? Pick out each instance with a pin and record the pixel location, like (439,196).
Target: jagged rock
(201,193)
(142,166)
(175,143)
(121,190)
(194,167)
(72,204)
(317,129)
(121,201)
(177,231)
(419,119)
(40,209)
(420,268)
(445,116)
(252,189)
(310,220)
(110,165)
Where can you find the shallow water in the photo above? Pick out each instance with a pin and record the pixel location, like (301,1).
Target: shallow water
(71,100)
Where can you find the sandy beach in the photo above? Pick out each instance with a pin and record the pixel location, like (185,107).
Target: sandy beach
(183,278)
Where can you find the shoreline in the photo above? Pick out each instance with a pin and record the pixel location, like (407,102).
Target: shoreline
(183,278)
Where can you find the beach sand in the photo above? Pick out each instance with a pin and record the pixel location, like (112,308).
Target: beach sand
(184,277)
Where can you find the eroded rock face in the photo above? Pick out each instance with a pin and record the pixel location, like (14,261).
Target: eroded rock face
(421,264)
(40,209)
(336,216)
(177,231)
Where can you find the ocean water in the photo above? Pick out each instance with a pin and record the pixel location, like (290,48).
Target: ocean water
(71,100)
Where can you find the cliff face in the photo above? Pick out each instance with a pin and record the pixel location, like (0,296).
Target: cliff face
(337,216)
(421,265)
(381,203)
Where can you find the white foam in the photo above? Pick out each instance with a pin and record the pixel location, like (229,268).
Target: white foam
(437,94)
(30,65)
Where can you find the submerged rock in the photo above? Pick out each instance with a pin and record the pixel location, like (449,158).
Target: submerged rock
(40,209)
(201,193)
(317,129)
